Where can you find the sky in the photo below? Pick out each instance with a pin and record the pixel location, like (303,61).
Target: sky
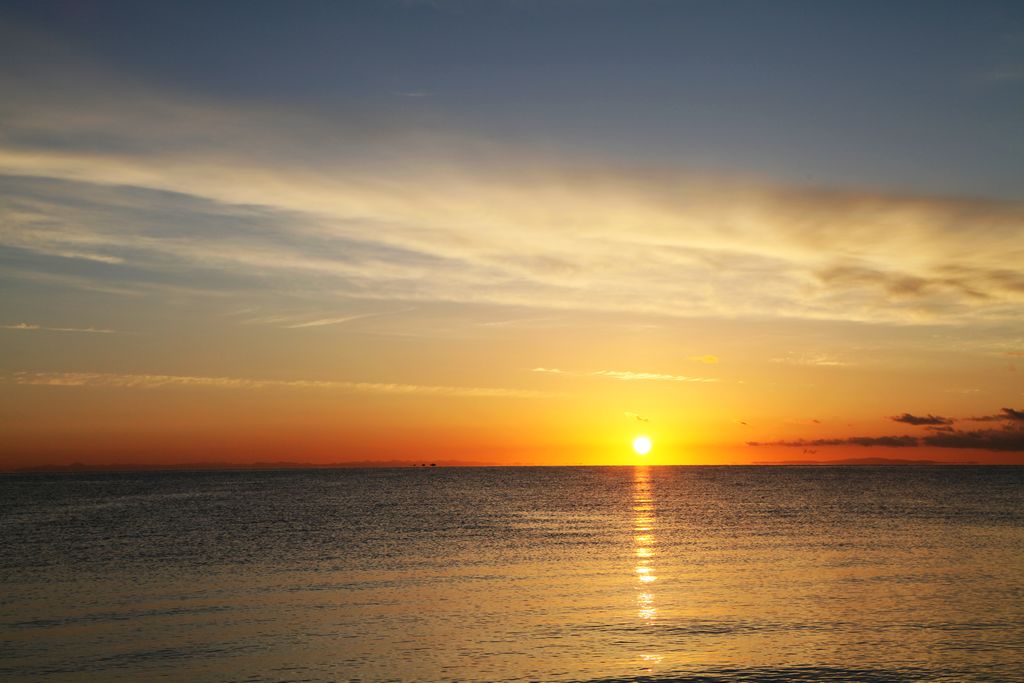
(514,232)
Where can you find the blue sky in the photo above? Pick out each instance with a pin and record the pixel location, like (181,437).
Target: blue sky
(916,96)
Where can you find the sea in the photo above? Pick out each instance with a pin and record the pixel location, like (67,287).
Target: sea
(823,574)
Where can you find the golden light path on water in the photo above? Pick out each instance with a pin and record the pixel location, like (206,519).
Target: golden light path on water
(644,553)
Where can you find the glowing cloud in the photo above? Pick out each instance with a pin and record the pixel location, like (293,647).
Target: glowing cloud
(126,381)
(41,328)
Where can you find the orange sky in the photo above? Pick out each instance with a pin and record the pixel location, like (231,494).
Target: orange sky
(471,395)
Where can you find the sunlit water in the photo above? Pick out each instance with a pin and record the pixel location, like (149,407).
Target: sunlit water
(703,574)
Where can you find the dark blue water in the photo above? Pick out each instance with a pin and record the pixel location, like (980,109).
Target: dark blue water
(688,573)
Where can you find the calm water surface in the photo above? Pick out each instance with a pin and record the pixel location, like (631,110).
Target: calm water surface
(552,574)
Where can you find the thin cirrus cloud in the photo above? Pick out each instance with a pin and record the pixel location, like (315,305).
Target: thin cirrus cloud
(160,190)
(325,321)
(32,327)
(811,359)
(147,381)
(627,375)
(322,322)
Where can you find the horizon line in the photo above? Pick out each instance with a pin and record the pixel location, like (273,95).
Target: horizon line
(79,467)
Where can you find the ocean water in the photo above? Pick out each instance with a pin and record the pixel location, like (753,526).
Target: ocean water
(515,574)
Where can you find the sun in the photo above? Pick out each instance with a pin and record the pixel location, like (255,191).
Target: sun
(642,444)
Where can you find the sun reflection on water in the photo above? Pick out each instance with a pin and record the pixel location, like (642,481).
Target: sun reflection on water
(643,541)
(644,554)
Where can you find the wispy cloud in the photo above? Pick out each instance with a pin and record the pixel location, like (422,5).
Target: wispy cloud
(909,419)
(325,321)
(984,439)
(146,381)
(190,192)
(515,322)
(1006,414)
(818,359)
(1009,438)
(804,422)
(630,376)
(42,328)
(868,441)
(321,322)
(87,256)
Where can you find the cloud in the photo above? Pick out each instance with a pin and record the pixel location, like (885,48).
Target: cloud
(131,186)
(87,256)
(628,376)
(638,418)
(900,284)
(868,441)
(709,360)
(814,359)
(321,322)
(514,322)
(909,419)
(804,422)
(1009,438)
(1005,414)
(985,439)
(34,327)
(145,381)
(325,321)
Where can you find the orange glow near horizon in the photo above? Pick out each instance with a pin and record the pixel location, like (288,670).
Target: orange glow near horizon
(475,411)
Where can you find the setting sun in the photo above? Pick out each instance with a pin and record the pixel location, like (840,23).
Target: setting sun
(642,445)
